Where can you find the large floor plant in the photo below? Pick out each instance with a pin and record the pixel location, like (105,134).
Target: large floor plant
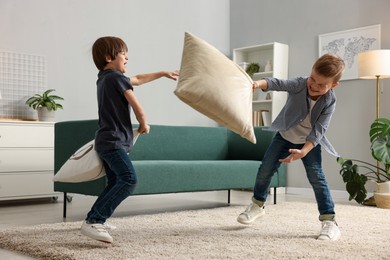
(356,173)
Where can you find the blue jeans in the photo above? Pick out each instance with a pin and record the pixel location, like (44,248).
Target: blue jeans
(278,149)
(121,181)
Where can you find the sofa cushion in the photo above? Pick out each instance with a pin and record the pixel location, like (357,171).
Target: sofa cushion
(164,176)
(239,150)
(181,143)
(214,85)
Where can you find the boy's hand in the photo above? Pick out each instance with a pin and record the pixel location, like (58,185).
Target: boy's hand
(295,155)
(298,153)
(144,129)
(261,84)
(172,75)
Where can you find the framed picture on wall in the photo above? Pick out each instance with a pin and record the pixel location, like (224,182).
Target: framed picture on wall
(347,44)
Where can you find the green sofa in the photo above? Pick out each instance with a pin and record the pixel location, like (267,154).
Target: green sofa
(174,159)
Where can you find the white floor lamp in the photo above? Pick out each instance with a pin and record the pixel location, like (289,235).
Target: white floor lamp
(374,65)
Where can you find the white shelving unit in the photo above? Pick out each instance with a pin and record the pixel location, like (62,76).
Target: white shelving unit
(26,160)
(277,54)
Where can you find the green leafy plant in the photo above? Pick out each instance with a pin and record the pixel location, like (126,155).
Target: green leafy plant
(356,173)
(44,100)
(252,69)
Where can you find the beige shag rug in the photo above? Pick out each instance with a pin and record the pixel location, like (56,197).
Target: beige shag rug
(287,231)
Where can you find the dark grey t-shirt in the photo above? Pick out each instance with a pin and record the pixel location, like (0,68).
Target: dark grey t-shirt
(115,128)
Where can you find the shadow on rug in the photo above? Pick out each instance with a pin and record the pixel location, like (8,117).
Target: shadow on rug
(287,231)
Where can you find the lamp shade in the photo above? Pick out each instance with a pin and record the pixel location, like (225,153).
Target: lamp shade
(374,63)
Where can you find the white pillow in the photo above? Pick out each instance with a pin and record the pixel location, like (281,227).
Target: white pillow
(84,165)
(215,86)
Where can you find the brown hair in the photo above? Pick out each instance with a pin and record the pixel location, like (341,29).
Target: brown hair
(330,66)
(104,46)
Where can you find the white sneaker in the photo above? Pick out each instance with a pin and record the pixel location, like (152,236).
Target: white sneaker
(252,212)
(96,231)
(329,231)
(109,226)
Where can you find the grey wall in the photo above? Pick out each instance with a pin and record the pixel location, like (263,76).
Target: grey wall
(298,24)
(154,30)
(64,31)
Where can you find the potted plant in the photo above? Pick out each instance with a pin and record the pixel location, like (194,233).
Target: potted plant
(252,69)
(356,173)
(45,105)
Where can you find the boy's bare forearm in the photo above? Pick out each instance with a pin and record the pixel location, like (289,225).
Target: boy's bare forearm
(141,79)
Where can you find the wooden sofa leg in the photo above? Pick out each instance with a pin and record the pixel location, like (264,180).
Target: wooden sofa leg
(65,201)
(228,196)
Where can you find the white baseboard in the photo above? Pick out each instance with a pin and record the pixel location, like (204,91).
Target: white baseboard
(308,192)
(279,190)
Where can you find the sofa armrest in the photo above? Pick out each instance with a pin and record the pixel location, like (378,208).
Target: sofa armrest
(69,136)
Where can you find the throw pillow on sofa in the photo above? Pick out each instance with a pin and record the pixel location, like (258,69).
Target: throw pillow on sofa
(84,165)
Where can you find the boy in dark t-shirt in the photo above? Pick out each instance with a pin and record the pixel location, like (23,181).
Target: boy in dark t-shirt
(114,137)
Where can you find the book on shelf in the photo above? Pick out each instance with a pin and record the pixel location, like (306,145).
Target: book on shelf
(261,118)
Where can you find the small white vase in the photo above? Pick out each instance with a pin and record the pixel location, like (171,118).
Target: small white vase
(268,66)
(45,115)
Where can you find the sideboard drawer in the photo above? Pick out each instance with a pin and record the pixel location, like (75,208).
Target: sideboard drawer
(26,159)
(32,184)
(26,136)
(12,160)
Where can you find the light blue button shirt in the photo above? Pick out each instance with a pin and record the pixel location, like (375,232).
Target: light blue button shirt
(297,108)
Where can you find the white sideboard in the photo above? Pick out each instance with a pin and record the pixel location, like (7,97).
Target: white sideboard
(26,160)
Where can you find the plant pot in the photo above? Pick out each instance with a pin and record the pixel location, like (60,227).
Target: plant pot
(382,200)
(383,187)
(45,115)
(382,195)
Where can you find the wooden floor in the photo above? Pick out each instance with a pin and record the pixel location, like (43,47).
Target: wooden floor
(44,211)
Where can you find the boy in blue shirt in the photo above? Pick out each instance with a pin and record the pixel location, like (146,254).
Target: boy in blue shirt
(301,127)
(114,137)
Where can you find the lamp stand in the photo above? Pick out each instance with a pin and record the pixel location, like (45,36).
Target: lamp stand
(371,201)
(377,116)
(377,97)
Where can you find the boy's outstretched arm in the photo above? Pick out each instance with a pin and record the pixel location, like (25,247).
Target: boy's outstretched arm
(145,78)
